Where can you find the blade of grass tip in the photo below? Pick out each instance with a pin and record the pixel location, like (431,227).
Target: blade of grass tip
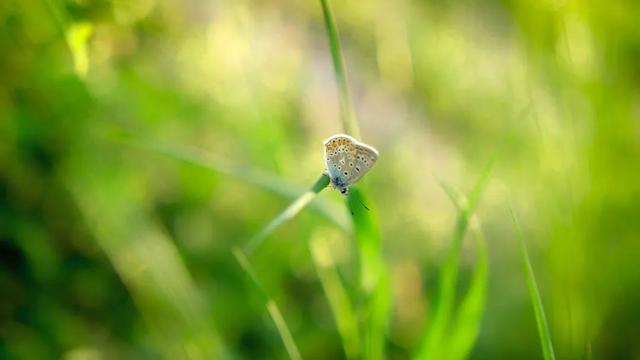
(256,177)
(534,293)
(288,213)
(467,323)
(349,122)
(432,341)
(270,305)
(337,296)
(374,278)
(453,195)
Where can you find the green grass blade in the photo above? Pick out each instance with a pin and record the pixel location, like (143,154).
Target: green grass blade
(534,293)
(210,161)
(367,238)
(374,278)
(337,296)
(349,123)
(270,305)
(377,317)
(431,345)
(288,213)
(255,177)
(466,326)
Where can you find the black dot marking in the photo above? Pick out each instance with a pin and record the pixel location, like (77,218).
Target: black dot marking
(350,164)
(346,173)
(357,169)
(334,165)
(339,167)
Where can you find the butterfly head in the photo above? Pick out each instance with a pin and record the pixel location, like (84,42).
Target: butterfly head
(339,183)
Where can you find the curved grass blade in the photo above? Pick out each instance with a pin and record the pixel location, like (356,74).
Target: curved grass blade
(270,304)
(534,293)
(259,178)
(268,182)
(291,211)
(433,339)
(466,325)
(339,301)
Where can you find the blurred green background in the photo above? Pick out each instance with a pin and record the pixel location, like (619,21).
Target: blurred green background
(141,141)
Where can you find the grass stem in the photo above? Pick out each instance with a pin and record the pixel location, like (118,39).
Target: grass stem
(349,121)
(271,306)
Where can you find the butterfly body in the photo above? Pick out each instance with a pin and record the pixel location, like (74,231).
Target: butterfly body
(347,160)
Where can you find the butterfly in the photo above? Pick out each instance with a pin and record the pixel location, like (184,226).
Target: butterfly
(347,160)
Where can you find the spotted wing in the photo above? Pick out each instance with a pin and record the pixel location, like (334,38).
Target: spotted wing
(365,158)
(340,156)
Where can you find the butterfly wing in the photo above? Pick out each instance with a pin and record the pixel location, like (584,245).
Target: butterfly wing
(340,156)
(365,158)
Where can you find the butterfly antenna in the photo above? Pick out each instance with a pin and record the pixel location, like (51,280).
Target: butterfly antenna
(363,204)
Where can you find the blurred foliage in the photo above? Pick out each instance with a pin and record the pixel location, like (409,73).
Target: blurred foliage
(113,247)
